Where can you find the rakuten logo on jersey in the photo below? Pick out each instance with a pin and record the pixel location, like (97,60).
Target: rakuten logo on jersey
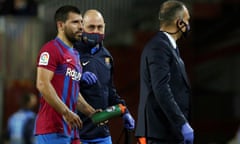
(73,74)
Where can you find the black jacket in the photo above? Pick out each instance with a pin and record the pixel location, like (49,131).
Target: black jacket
(164,91)
(100,95)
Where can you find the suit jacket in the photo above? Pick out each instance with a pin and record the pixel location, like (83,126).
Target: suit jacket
(164,91)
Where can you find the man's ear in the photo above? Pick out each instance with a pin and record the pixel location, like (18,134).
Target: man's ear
(60,25)
(180,23)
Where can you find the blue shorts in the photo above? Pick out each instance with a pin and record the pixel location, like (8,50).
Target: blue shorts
(106,140)
(53,138)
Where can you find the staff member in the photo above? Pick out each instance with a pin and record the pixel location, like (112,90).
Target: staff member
(165,91)
(97,87)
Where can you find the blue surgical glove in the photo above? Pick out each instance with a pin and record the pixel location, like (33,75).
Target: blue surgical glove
(187,133)
(89,78)
(129,122)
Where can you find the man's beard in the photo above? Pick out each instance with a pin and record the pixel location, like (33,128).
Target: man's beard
(71,37)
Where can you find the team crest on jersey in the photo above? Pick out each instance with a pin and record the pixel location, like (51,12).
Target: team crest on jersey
(44,58)
(107,61)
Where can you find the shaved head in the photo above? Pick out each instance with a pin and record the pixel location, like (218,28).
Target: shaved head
(93,22)
(94,14)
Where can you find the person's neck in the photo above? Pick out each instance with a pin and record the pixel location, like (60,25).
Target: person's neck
(171,32)
(65,40)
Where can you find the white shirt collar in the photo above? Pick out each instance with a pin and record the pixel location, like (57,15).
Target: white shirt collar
(172,41)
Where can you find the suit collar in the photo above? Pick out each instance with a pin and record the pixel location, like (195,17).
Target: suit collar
(179,60)
(172,41)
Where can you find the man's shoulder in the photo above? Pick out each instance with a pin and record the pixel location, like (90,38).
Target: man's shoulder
(17,116)
(158,42)
(159,39)
(49,45)
(106,51)
(50,48)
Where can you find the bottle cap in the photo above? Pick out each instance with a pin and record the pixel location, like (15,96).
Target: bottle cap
(122,107)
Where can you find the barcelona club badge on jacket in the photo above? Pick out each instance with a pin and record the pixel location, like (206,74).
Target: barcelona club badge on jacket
(107,61)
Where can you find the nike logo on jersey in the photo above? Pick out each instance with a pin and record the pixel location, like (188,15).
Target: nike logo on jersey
(68,60)
(85,63)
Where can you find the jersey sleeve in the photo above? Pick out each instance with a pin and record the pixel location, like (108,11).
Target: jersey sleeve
(48,57)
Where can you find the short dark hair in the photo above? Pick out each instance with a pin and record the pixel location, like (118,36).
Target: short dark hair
(25,99)
(62,13)
(170,10)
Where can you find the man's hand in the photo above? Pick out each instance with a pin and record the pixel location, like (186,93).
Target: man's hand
(129,122)
(89,78)
(187,133)
(72,119)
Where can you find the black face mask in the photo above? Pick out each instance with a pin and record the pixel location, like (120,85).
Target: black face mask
(186,32)
(92,39)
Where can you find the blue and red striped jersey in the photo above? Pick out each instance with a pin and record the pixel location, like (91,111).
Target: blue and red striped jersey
(64,62)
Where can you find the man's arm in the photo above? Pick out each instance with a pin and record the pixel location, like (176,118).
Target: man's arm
(45,87)
(84,107)
(48,92)
(159,60)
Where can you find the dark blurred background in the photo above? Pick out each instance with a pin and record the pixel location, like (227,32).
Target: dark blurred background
(211,54)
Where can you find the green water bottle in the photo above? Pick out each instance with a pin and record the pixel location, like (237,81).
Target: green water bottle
(108,113)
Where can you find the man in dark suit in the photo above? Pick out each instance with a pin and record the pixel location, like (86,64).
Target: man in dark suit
(165,91)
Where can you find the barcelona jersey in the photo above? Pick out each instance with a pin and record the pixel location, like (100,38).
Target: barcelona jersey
(64,62)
